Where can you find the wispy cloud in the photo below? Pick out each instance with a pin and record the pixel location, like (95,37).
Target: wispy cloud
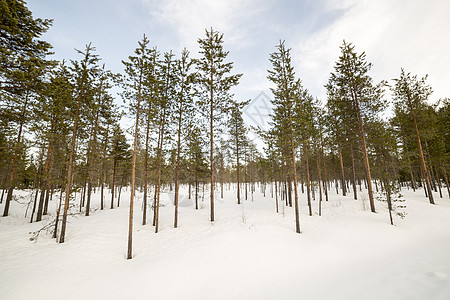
(393,33)
(189,19)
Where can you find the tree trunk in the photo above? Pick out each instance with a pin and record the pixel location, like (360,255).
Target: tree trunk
(308,184)
(364,153)
(211,131)
(355,195)
(320,182)
(45,181)
(196,188)
(15,157)
(413,182)
(57,214)
(91,161)
(133,170)
(237,170)
(444,171)
(113,181)
(70,170)
(422,159)
(294,170)
(144,204)
(438,181)
(324,168)
(158,186)
(177,171)
(341,164)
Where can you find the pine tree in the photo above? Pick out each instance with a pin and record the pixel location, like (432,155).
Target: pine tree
(151,93)
(282,75)
(410,95)
(84,72)
(165,107)
(184,96)
(215,84)
(238,138)
(136,69)
(359,96)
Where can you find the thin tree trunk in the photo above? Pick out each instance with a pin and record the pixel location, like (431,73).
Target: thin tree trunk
(70,170)
(413,182)
(355,195)
(211,132)
(103,175)
(422,159)
(133,170)
(113,181)
(294,170)
(144,204)
(158,186)
(308,185)
(289,189)
(320,182)
(156,181)
(422,181)
(237,169)
(177,171)
(196,188)
(341,163)
(118,198)
(444,171)
(91,162)
(45,181)
(364,152)
(57,214)
(438,181)
(15,157)
(324,168)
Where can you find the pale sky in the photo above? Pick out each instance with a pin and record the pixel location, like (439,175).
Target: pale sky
(412,34)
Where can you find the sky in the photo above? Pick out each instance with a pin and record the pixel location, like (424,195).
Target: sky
(411,34)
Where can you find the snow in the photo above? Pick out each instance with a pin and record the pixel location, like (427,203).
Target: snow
(249,252)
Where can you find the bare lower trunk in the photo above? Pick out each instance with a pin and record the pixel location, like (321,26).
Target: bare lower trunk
(112,182)
(320,182)
(421,156)
(355,195)
(308,182)
(70,172)
(438,181)
(413,182)
(57,214)
(15,158)
(444,171)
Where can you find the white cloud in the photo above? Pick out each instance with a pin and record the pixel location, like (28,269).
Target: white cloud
(393,33)
(190,18)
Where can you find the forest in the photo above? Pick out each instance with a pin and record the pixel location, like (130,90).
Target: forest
(63,138)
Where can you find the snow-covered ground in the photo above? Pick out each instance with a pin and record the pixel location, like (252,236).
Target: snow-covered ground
(250,252)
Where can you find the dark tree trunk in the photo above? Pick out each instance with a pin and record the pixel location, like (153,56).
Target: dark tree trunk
(15,157)
(355,195)
(421,156)
(308,184)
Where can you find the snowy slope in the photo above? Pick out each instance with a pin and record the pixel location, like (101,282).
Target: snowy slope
(250,252)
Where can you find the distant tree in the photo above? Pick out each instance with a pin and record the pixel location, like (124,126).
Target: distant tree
(120,153)
(196,157)
(238,133)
